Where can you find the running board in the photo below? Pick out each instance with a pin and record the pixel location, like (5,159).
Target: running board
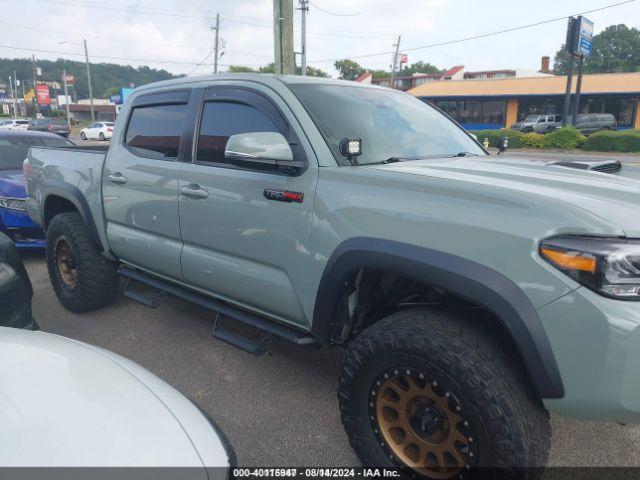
(269,327)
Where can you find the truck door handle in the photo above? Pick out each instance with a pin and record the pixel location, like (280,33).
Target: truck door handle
(117,178)
(194,191)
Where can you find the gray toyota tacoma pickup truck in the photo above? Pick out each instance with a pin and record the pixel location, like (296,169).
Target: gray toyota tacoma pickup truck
(473,294)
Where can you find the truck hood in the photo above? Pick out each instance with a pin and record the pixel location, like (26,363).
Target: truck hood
(614,197)
(12,184)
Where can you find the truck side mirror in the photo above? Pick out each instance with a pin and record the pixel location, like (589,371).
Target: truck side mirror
(266,148)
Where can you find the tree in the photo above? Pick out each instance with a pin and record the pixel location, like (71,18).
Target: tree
(615,49)
(111,91)
(240,69)
(349,70)
(420,67)
(312,72)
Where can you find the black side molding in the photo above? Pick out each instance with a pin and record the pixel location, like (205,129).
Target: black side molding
(462,277)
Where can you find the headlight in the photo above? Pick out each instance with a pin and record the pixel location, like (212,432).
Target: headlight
(609,266)
(13,203)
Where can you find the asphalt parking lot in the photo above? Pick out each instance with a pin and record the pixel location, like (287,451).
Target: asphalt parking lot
(279,409)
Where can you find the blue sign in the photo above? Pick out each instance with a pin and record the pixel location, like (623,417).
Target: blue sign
(117,99)
(585,36)
(125,93)
(585,47)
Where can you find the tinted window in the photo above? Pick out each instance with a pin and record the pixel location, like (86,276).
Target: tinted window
(220,120)
(56,142)
(156,130)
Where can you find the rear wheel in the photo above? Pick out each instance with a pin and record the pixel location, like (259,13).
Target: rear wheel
(81,277)
(102,137)
(430,392)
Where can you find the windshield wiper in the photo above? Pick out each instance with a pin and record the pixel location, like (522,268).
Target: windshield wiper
(466,154)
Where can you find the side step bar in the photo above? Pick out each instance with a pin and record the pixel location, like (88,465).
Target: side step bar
(223,309)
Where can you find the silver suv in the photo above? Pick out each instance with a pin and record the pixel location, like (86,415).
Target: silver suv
(538,123)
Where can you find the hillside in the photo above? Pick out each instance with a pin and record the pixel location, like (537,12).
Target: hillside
(106,77)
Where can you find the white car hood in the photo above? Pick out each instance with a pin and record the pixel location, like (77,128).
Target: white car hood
(65,403)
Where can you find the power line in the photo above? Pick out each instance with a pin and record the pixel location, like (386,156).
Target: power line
(333,13)
(475,37)
(140,60)
(228,17)
(201,63)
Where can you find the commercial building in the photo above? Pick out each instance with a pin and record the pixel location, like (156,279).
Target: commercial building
(499,102)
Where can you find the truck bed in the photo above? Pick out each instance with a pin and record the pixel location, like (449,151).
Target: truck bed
(71,173)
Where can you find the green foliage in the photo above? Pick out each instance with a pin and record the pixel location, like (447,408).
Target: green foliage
(615,49)
(533,140)
(620,141)
(420,67)
(515,137)
(103,75)
(564,138)
(348,69)
(240,69)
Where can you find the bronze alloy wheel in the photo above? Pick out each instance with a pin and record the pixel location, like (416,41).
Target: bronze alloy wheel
(65,264)
(421,425)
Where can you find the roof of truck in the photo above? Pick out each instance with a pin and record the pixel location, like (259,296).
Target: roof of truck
(264,78)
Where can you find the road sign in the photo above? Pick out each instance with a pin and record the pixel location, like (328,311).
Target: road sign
(585,36)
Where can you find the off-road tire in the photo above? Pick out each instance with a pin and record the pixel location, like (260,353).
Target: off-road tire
(473,361)
(97,279)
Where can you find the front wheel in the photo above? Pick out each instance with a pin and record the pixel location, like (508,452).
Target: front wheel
(81,277)
(433,393)
(83,136)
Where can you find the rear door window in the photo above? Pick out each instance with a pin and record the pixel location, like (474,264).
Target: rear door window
(155,131)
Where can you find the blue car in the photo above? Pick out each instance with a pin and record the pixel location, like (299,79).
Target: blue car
(14,220)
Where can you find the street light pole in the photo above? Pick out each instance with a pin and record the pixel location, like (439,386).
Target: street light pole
(304,9)
(395,61)
(217,44)
(86,57)
(66,96)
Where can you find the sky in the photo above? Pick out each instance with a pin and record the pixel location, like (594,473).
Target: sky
(176,34)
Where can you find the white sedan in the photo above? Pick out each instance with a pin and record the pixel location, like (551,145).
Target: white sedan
(97,131)
(64,403)
(14,124)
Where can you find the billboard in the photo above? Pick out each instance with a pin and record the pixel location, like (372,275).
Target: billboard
(71,79)
(42,91)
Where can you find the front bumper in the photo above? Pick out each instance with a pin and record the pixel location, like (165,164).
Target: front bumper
(596,343)
(21,229)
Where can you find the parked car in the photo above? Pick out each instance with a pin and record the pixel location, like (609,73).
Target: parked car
(14,220)
(594,122)
(57,125)
(97,130)
(538,123)
(14,124)
(474,294)
(68,404)
(16,291)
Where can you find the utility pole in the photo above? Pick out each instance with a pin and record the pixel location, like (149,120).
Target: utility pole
(569,48)
(283,36)
(304,9)
(66,96)
(86,58)
(13,98)
(576,105)
(35,93)
(217,43)
(15,89)
(395,61)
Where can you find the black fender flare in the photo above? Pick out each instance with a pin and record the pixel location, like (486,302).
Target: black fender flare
(465,278)
(72,194)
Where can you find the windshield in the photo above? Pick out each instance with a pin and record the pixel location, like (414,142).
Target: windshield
(531,119)
(391,124)
(13,151)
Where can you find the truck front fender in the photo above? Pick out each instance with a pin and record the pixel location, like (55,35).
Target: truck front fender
(461,277)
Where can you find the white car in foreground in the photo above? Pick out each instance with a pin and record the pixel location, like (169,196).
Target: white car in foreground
(14,124)
(97,131)
(64,403)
